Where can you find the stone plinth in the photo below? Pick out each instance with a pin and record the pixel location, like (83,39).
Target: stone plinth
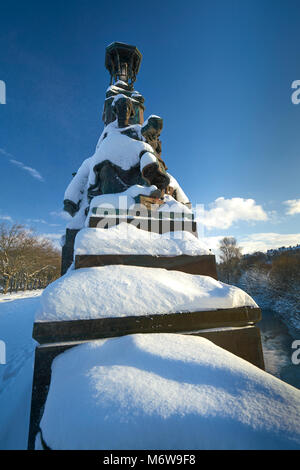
(150,225)
(232,329)
(202,264)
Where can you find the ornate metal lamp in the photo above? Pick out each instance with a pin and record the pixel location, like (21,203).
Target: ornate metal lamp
(123,62)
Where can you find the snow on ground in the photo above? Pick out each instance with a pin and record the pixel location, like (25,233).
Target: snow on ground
(127,239)
(28,294)
(119,291)
(16,320)
(166,391)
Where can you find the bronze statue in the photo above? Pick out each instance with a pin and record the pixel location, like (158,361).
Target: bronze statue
(123,116)
(123,110)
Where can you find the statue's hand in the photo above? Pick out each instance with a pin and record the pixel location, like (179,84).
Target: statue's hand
(156,175)
(70,207)
(149,171)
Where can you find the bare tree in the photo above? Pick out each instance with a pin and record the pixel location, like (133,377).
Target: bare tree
(229,249)
(26,260)
(230,257)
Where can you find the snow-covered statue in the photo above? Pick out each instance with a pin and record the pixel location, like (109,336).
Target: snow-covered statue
(128,153)
(127,160)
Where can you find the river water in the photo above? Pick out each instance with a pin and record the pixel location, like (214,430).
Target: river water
(277,342)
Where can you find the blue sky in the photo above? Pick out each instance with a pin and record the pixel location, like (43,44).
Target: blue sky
(218,72)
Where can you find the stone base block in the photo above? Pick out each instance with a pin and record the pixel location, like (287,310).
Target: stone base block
(244,342)
(204,265)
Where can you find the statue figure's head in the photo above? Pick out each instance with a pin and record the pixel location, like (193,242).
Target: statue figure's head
(123,109)
(152,127)
(151,131)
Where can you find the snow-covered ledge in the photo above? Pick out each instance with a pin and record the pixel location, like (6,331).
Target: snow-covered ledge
(121,291)
(165,391)
(125,239)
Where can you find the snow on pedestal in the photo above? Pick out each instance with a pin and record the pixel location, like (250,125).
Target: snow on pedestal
(119,291)
(126,200)
(165,391)
(127,239)
(123,200)
(119,149)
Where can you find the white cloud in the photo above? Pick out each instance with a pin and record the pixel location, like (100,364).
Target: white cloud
(41,221)
(267,241)
(32,171)
(4,152)
(212,242)
(61,214)
(223,213)
(255,242)
(6,217)
(37,221)
(54,238)
(293,206)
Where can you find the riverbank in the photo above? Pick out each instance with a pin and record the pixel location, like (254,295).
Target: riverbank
(277,339)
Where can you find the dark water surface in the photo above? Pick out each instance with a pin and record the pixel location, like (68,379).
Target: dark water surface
(277,342)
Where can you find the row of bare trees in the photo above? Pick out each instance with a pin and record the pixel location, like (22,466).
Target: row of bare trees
(281,268)
(26,260)
(273,279)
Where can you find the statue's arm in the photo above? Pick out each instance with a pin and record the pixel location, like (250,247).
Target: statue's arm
(153,170)
(180,195)
(74,191)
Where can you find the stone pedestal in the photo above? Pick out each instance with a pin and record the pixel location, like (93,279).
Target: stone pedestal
(204,264)
(148,224)
(232,329)
(67,252)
